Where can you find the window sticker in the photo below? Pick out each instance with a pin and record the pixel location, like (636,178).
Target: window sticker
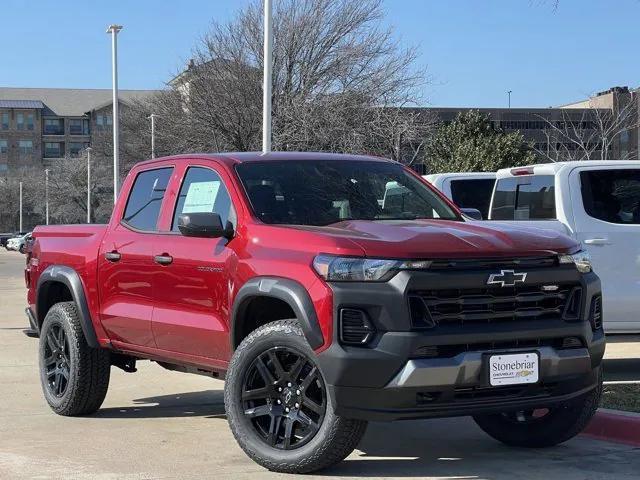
(201,197)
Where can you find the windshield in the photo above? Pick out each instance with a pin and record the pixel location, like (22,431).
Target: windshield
(322,192)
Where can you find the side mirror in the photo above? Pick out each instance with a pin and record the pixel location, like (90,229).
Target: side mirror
(473,213)
(203,224)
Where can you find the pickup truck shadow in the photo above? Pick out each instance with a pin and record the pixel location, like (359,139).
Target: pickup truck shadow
(452,448)
(458,449)
(208,403)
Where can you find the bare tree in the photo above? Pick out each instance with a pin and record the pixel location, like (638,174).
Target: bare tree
(594,135)
(340,77)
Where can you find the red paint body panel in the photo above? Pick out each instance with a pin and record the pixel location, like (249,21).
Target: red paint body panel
(180,313)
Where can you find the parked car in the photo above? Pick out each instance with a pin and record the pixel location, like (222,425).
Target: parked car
(322,305)
(598,204)
(5,237)
(18,243)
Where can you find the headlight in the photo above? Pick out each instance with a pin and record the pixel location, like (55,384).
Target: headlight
(354,269)
(581,259)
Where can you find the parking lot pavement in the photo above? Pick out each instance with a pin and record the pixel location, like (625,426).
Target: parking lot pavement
(160,424)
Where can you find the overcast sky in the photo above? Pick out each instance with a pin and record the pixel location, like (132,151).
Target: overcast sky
(474,50)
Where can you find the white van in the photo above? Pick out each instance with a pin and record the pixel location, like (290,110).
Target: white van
(467,190)
(598,204)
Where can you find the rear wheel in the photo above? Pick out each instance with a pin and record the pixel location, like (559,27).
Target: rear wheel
(278,406)
(74,376)
(542,427)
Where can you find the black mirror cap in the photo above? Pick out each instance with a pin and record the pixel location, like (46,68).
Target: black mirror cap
(473,213)
(203,224)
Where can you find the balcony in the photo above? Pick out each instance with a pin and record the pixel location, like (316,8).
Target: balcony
(53,126)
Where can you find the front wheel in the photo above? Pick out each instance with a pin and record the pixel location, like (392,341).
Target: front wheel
(278,406)
(544,427)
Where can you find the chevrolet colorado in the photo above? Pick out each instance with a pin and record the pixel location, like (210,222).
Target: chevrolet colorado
(322,301)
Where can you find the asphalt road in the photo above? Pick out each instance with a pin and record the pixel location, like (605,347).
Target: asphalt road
(157,424)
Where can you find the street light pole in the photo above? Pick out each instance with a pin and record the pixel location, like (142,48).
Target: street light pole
(88,184)
(113,30)
(267,80)
(20,229)
(509,94)
(152,117)
(46,195)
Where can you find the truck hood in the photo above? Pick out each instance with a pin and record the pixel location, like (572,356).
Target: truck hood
(446,239)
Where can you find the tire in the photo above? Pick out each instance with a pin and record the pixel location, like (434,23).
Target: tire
(321,440)
(559,424)
(87,369)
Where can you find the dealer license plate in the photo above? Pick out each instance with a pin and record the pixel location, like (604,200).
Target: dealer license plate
(513,369)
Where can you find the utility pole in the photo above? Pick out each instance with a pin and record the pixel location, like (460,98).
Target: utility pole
(509,101)
(267,79)
(113,30)
(46,195)
(20,229)
(88,184)
(152,117)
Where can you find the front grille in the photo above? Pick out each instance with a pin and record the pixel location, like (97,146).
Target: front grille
(494,263)
(449,351)
(435,307)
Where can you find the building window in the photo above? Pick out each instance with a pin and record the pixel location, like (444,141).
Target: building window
(20,121)
(4,147)
(4,120)
(30,121)
(53,126)
(53,150)
(4,167)
(78,126)
(25,147)
(104,120)
(75,148)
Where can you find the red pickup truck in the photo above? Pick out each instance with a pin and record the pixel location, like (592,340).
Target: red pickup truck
(328,290)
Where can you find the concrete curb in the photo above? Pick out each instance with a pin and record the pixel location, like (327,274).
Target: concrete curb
(615,426)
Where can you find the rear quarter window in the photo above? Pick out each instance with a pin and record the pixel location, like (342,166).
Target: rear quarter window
(530,197)
(612,195)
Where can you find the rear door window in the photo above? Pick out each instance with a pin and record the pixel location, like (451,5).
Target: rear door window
(612,195)
(473,193)
(530,197)
(145,199)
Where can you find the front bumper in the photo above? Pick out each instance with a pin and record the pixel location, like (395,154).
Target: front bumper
(386,381)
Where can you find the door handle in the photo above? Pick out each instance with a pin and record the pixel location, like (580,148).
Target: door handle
(112,256)
(597,241)
(164,259)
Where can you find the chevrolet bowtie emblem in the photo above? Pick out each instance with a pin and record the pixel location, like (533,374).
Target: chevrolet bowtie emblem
(506,278)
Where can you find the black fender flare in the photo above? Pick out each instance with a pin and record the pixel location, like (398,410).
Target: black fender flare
(70,278)
(287,290)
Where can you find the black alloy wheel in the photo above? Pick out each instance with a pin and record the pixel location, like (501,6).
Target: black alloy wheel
(284,397)
(57,360)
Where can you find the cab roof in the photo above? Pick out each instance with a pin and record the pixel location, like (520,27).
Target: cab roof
(233,158)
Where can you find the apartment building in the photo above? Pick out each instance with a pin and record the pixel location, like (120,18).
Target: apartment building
(40,125)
